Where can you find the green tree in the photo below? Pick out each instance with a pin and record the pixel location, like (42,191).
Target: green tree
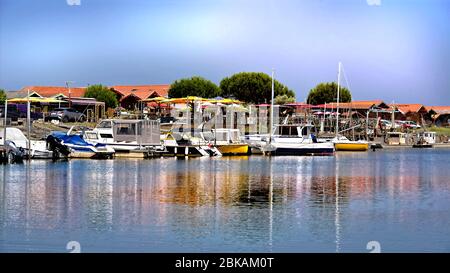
(327,92)
(2,95)
(102,93)
(253,87)
(195,86)
(283,99)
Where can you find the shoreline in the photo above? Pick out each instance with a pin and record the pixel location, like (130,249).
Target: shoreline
(436,145)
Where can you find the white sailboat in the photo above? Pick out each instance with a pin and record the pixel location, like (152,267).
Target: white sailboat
(293,139)
(342,143)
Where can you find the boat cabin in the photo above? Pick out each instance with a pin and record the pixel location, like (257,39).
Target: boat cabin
(395,138)
(143,132)
(427,137)
(227,135)
(293,130)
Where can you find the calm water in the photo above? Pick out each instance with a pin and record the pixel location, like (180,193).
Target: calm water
(400,198)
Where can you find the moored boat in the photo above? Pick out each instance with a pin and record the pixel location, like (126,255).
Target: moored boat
(10,153)
(296,140)
(74,146)
(228,142)
(342,143)
(129,138)
(179,144)
(37,148)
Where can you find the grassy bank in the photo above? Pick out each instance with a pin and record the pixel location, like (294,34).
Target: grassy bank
(441,130)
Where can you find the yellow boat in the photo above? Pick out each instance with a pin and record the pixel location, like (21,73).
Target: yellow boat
(228,141)
(361,147)
(233,149)
(344,144)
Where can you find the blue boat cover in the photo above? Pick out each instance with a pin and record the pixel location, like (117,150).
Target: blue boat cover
(74,139)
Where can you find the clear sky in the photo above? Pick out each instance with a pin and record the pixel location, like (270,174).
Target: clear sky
(394,50)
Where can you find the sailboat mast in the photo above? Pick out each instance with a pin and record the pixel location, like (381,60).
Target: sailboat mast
(337,100)
(4,122)
(28,123)
(271,107)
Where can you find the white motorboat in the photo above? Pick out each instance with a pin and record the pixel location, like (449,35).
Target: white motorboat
(294,139)
(128,137)
(38,148)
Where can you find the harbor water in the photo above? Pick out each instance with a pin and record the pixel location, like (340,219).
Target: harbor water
(399,198)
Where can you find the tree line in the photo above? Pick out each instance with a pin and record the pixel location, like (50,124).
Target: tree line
(254,87)
(250,87)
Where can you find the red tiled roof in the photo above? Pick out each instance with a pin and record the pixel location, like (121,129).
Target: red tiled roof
(142,91)
(362,104)
(299,105)
(439,109)
(413,108)
(50,91)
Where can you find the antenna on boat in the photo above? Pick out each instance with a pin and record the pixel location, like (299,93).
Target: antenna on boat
(271,106)
(4,124)
(28,124)
(337,100)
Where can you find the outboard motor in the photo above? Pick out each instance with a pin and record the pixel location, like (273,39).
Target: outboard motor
(15,154)
(58,150)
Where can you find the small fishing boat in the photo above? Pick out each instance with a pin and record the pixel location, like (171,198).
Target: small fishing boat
(425,140)
(38,148)
(128,137)
(74,146)
(341,143)
(179,144)
(182,141)
(228,142)
(395,138)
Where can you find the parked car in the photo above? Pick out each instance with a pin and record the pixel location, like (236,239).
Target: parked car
(13,112)
(409,124)
(65,115)
(387,124)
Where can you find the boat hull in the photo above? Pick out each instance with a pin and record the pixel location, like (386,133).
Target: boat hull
(303,151)
(193,151)
(90,154)
(422,146)
(233,149)
(355,147)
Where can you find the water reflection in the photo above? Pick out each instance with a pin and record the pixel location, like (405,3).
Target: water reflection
(223,204)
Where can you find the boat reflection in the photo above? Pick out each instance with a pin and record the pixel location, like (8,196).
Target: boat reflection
(249,199)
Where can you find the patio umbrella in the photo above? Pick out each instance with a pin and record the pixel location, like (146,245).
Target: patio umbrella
(34,99)
(156,99)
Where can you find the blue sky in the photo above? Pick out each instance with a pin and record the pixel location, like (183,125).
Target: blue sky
(397,51)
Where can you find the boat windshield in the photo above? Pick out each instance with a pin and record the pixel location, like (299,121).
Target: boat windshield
(126,129)
(90,135)
(288,131)
(105,124)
